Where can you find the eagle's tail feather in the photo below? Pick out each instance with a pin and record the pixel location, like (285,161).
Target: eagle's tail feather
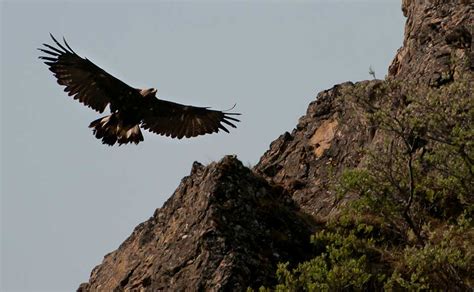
(112,130)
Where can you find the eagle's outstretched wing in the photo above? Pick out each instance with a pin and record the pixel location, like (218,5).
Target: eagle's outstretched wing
(178,121)
(130,107)
(87,82)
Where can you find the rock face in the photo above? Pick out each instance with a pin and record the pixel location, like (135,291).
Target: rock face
(332,135)
(328,139)
(438,41)
(226,226)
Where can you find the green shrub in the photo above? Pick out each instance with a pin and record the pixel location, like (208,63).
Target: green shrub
(341,265)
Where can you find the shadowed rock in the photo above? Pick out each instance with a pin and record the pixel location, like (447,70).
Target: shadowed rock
(224,229)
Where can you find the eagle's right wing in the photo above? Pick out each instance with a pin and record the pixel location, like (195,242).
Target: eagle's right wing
(87,82)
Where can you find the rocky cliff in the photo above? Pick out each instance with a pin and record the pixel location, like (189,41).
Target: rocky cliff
(332,136)
(227,226)
(223,228)
(438,41)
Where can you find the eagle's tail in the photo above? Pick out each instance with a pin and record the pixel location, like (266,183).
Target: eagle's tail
(112,130)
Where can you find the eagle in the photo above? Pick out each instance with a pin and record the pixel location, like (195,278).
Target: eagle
(130,108)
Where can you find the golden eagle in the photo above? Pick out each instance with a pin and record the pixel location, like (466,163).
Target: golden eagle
(130,107)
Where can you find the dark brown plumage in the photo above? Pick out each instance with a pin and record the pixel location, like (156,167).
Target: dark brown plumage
(130,107)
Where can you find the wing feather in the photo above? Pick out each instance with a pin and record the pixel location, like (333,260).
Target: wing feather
(54,49)
(176,120)
(83,80)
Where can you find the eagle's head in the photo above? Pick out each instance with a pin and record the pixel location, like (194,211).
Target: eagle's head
(149,91)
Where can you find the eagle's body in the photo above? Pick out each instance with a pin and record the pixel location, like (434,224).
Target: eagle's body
(130,107)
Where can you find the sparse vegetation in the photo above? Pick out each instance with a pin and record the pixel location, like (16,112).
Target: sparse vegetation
(371,72)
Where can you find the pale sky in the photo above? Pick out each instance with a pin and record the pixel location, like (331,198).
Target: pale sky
(66,199)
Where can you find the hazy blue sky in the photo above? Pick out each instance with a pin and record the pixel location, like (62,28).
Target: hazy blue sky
(66,199)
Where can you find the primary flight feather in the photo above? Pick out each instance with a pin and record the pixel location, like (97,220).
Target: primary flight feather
(131,108)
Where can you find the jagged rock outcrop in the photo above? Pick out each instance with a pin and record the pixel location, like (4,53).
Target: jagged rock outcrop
(328,139)
(223,229)
(438,41)
(226,226)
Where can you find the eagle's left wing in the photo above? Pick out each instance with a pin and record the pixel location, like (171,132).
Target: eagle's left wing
(84,80)
(177,121)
